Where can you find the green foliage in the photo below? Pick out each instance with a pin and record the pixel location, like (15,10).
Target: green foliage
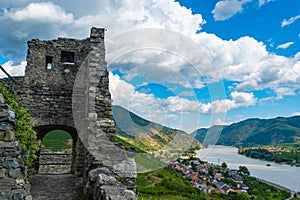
(129,143)
(23,130)
(191,151)
(292,157)
(244,170)
(230,196)
(166,183)
(224,165)
(260,191)
(57,140)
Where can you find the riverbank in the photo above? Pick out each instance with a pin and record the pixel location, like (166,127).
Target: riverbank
(272,153)
(284,175)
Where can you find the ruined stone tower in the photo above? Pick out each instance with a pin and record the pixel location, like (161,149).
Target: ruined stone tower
(66,87)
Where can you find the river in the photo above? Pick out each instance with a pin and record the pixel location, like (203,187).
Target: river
(284,175)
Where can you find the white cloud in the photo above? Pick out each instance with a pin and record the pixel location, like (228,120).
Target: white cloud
(227,8)
(13,70)
(238,99)
(286,22)
(27,19)
(262,2)
(245,61)
(285,45)
(243,98)
(124,94)
(43,12)
(145,105)
(284,91)
(219,121)
(295,114)
(187,94)
(248,62)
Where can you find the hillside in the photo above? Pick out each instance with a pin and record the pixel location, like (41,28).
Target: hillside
(252,132)
(149,136)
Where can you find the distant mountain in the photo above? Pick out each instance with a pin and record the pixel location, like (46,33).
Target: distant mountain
(252,132)
(149,136)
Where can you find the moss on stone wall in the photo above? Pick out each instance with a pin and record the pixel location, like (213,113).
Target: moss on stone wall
(23,130)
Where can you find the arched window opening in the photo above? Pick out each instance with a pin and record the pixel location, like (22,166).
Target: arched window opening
(56,153)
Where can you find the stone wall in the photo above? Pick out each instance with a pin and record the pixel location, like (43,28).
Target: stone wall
(66,85)
(47,92)
(13,183)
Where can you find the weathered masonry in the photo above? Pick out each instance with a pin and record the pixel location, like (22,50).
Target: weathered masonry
(66,87)
(13,184)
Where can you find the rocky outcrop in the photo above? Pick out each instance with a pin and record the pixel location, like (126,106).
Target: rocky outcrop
(13,182)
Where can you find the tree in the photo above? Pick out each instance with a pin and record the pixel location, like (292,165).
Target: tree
(244,170)
(224,165)
(211,170)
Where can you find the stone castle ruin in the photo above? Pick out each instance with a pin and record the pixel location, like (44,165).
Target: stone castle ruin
(65,87)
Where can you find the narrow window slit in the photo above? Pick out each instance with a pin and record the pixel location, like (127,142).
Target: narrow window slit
(48,62)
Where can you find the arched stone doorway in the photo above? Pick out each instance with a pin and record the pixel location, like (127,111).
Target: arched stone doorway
(56,153)
(53,159)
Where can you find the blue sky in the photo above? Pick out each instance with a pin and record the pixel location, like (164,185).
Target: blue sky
(201,62)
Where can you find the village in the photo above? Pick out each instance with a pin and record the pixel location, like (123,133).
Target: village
(210,177)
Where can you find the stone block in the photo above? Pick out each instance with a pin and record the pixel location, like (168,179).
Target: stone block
(7,184)
(93,174)
(13,165)
(126,168)
(3,173)
(104,179)
(7,135)
(15,173)
(5,144)
(6,126)
(2,99)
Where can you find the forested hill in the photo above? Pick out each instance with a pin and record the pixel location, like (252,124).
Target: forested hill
(252,132)
(149,136)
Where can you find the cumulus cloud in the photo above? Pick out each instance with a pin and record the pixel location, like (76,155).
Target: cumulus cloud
(286,22)
(220,121)
(19,24)
(225,9)
(295,114)
(244,61)
(238,99)
(262,2)
(11,69)
(23,20)
(44,12)
(284,91)
(247,62)
(124,94)
(285,45)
